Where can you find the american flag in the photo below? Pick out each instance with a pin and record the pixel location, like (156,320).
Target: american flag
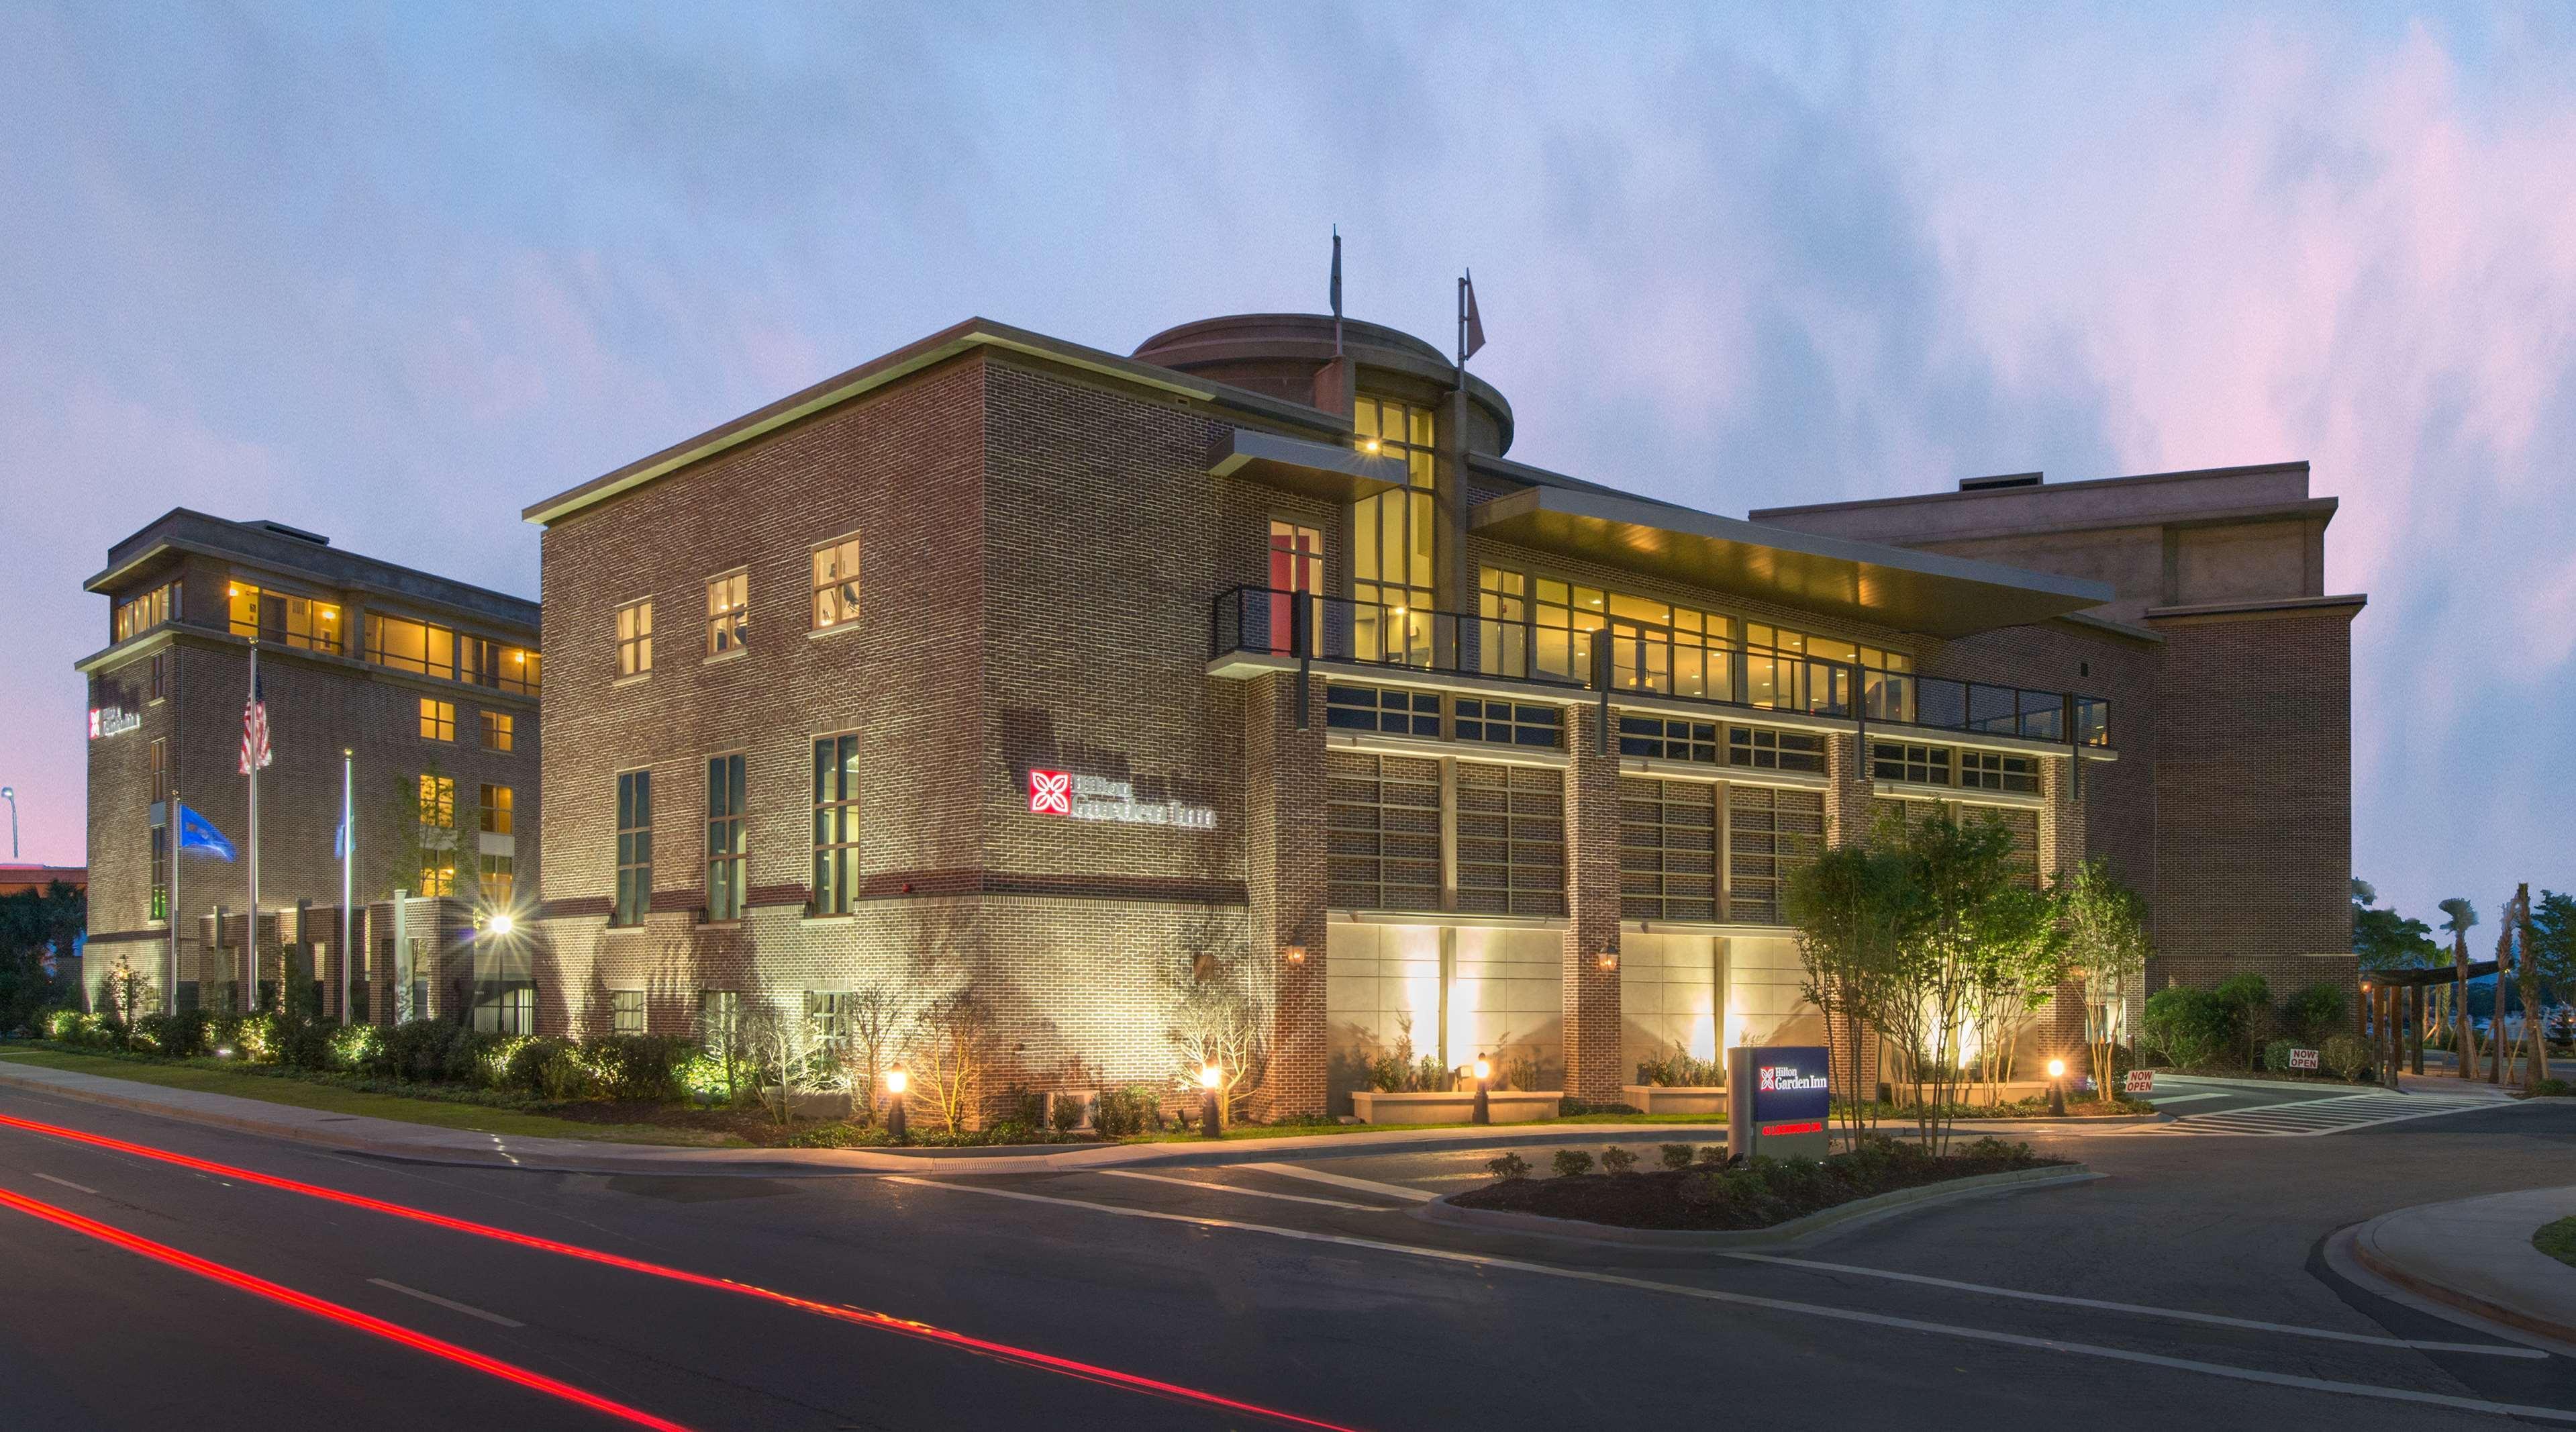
(254,730)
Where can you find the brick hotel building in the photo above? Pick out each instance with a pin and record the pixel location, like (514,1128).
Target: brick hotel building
(430,683)
(1004,663)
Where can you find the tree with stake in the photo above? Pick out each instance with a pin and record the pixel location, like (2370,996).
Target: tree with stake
(1847,906)
(2459,916)
(2106,940)
(1959,873)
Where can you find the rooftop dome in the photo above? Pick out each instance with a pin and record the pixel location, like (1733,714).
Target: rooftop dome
(1278,354)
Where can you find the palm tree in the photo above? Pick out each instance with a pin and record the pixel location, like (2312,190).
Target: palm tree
(2458,915)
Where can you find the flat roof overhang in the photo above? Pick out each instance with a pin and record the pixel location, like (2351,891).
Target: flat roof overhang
(1884,586)
(1330,471)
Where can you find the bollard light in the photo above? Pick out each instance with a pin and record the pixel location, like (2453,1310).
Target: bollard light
(1212,1103)
(896,1081)
(1483,1113)
(2057,1088)
(2057,1069)
(1484,1069)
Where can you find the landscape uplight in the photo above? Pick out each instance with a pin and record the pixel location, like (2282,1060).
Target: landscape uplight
(1211,1103)
(2057,1088)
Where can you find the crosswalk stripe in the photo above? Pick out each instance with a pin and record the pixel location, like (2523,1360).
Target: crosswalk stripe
(2311,1118)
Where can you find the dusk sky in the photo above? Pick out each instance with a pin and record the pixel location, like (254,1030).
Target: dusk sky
(393,272)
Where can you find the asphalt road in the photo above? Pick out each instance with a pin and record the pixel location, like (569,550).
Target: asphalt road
(1307,1289)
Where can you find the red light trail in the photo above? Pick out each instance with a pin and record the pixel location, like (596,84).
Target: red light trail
(1026,1357)
(321,1308)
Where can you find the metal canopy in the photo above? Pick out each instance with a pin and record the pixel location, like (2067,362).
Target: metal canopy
(1885,586)
(1327,470)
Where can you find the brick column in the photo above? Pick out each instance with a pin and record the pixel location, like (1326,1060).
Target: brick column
(1848,815)
(1285,873)
(1592,906)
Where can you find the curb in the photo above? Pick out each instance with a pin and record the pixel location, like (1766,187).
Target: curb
(2364,1253)
(1808,1229)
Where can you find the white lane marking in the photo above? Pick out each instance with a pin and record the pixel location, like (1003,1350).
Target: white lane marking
(448,1303)
(67,1183)
(1247,1192)
(1821,1310)
(2160,1100)
(1343,1180)
(2146,1310)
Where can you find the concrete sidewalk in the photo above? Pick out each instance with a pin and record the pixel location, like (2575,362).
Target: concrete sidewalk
(2475,1254)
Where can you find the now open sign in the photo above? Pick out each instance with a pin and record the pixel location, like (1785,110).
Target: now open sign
(2303,1059)
(2140,1081)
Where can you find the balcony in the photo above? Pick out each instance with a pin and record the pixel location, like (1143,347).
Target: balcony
(1633,657)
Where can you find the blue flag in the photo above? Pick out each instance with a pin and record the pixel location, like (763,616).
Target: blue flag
(198,833)
(340,841)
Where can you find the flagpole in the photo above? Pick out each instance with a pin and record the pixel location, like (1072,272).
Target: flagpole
(348,858)
(171,907)
(250,940)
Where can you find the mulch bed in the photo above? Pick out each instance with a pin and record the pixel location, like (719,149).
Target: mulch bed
(1745,1198)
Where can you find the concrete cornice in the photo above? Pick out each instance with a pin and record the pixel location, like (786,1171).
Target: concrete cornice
(2258,608)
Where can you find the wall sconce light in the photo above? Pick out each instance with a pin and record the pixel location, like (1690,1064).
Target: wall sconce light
(1296,954)
(1609,959)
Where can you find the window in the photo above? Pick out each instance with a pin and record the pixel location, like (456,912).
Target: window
(728,613)
(635,638)
(1296,570)
(411,646)
(141,613)
(1506,723)
(500,731)
(486,662)
(2024,826)
(719,1014)
(827,1014)
(437,720)
(437,815)
(1391,541)
(1769,833)
(1565,616)
(160,750)
(1511,839)
(1765,750)
(724,838)
(626,1011)
(1659,647)
(162,661)
(283,618)
(1382,831)
(836,824)
(1668,738)
(836,583)
(1502,628)
(1995,771)
(1905,761)
(499,878)
(500,1006)
(494,812)
(1379,708)
(160,870)
(1667,849)
(634,847)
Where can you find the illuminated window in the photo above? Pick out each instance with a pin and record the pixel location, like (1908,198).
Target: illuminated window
(494,810)
(719,1013)
(500,1006)
(635,638)
(283,618)
(411,645)
(1564,617)
(160,749)
(486,662)
(141,613)
(1296,571)
(1391,539)
(626,1011)
(1503,636)
(728,613)
(437,720)
(437,873)
(500,878)
(836,583)
(438,802)
(634,847)
(836,824)
(724,838)
(500,731)
(827,1014)
(160,871)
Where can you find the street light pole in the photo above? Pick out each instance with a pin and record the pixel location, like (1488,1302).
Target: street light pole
(10,794)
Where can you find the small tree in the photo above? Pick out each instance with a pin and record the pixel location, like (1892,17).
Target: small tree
(2106,941)
(952,1049)
(2458,917)
(872,1023)
(1847,906)
(1959,874)
(2019,962)
(781,1047)
(1217,1019)
(129,995)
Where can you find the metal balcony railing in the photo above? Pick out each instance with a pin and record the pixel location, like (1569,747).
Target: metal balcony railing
(1630,656)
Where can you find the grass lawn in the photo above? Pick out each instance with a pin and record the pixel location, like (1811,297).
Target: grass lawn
(2558,1240)
(303,1094)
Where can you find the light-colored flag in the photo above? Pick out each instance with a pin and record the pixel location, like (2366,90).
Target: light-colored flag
(1471,324)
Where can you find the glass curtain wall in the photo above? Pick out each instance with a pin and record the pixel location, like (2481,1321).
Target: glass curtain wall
(1391,539)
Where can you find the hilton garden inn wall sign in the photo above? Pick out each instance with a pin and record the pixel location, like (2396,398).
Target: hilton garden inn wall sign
(1099,798)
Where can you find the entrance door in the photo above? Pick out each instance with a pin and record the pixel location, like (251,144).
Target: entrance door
(1296,572)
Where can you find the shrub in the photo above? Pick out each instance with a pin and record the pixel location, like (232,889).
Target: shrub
(1615,1159)
(1065,1114)
(641,1066)
(1679,1070)
(2249,997)
(2345,1056)
(254,1038)
(545,1065)
(2276,1055)
(2553,1089)
(2315,1012)
(357,1048)
(1712,1155)
(2194,1027)
(1571,1106)
(1571,1163)
(1508,1166)
(414,1049)
(1678,1155)
(473,1057)
(1123,1113)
